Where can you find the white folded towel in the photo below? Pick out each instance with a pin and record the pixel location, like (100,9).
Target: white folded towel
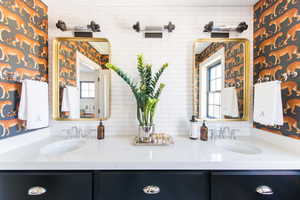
(229,102)
(268,103)
(34,106)
(71,102)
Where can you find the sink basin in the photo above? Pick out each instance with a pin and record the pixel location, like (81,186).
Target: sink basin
(238,147)
(61,147)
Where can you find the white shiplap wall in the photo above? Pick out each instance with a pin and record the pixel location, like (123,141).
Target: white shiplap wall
(175,107)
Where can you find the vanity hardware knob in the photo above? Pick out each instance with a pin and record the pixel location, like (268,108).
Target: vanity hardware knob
(264,190)
(151,189)
(36,191)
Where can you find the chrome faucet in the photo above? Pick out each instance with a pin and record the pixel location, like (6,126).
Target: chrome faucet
(223,131)
(76,132)
(231,133)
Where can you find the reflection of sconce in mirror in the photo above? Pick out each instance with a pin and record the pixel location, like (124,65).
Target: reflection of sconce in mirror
(236,85)
(79,31)
(154,31)
(223,31)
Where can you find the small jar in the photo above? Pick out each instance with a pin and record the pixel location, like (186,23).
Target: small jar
(194,129)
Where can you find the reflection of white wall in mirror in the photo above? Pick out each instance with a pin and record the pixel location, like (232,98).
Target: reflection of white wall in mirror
(90,71)
(219,56)
(87,104)
(87,71)
(200,46)
(101,47)
(80,58)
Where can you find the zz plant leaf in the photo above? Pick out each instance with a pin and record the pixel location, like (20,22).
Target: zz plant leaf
(146,91)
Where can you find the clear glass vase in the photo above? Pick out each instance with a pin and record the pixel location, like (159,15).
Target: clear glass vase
(145,132)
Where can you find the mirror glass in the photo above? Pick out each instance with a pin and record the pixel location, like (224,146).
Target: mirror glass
(82,82)
(221,79)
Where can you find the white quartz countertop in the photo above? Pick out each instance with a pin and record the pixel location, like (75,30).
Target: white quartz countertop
(118,153)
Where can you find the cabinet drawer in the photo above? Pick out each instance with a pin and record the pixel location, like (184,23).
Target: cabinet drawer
(285,185)
(129,185)
(58,186)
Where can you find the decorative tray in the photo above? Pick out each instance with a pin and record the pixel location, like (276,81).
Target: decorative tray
(156,139)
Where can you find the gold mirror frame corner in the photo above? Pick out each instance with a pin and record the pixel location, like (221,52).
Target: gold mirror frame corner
(246,100)
(55,78)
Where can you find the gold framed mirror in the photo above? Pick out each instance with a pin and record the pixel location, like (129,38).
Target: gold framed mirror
(81,82)
(221,72)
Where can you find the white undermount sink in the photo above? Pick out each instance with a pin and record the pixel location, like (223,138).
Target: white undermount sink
(238,146)
(61,147)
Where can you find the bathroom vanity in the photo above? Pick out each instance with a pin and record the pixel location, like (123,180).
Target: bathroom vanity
(115,169)
(177,185)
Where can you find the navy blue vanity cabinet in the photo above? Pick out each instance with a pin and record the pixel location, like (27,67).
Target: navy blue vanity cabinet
(255,185)
(151,185)
(45,186)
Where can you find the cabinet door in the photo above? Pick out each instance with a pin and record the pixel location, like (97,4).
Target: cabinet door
(284,185)
(45,186)
(152,185)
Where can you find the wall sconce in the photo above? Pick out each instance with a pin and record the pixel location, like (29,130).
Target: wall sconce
(79,31)
(217,32)
(154,31)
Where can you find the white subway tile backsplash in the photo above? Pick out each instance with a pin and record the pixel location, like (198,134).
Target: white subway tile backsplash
(175,107)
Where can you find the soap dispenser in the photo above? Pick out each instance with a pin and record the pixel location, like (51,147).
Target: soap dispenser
(203,132)
(194,130)
(100,131)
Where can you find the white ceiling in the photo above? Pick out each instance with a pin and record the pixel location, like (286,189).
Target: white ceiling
(154,2)
(101,47)
(200,46)
(85,68)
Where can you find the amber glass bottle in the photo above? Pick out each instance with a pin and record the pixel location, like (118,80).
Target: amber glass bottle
(203,132)
(100,131)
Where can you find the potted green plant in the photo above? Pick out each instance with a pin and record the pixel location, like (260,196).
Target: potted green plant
(146,92)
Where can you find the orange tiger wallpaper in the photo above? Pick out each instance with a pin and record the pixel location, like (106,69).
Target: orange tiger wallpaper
(23,55)
(67,59)
(277,57)
(234,67)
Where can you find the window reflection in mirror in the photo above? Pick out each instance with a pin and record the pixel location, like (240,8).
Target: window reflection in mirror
(214,77)
(220,79)
(87,90)
(82,82)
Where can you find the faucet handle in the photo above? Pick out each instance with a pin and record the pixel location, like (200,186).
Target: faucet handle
(223,131)
(76,131)
(212,134)
(233,133)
